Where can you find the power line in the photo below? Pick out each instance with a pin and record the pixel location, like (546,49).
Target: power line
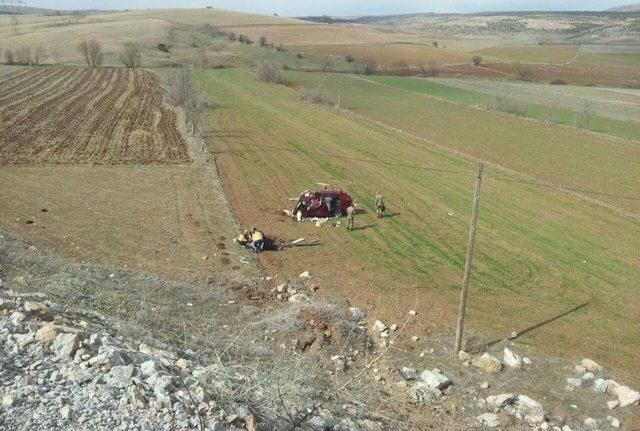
(563,188)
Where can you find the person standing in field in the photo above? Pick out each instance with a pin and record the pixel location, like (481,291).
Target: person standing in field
(380,208)
(351,213)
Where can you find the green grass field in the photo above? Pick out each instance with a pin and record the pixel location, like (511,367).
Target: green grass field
(570,117)
(564,156)
(539,251)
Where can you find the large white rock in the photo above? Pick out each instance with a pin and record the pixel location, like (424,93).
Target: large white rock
(488,420)
(511,359)
(435,379)
(65,345)
(379,326)
(531,410)
(120,376)
(625,394)
(591,366)
(500,401)
(489,364)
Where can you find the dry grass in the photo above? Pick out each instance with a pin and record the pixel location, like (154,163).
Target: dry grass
(386,54)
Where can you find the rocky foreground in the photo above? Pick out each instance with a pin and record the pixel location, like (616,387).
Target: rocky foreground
(59,371)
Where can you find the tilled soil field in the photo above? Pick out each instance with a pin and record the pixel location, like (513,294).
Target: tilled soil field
(75,116)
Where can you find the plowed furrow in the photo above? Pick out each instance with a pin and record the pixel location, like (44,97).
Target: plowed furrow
(65,115)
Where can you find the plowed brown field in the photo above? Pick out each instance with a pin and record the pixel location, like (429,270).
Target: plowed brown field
(75,116)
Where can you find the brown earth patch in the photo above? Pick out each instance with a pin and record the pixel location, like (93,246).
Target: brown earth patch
(77,116)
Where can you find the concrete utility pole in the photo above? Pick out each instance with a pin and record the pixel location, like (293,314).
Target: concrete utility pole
(467,265)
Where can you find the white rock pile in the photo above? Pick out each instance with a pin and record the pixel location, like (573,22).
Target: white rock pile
(58,376)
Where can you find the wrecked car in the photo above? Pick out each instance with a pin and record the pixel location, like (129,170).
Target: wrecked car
(322,204)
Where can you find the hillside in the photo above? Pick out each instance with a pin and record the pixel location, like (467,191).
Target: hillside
(136,146)
(635,7)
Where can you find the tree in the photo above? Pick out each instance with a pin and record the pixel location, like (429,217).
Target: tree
(181,92)
(269,73)
(587,112)
(130,56)
(263,41)
(477,60)
(367,66)
(524,72)
(435,43)
(92,52)
(400,67)
(39,55)
(326,19)
(23,56)
(326,65)
(9,57)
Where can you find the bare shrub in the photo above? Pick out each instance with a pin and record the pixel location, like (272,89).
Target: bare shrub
(232,37)
(509,107)
(400,67)
(244,39)
(130,56)
(319,96)
(435,43)
(524,72)
(476,60)
(263,41)
(212,30)
(367,66)
(9,57)
(299,55)
(326,65)
(181,92)
(430,70)
(326,19)
(92,52)
(349,58)
(269,73)
(39,55)
(280,48)
(23,56)
(163,47)
(558,82)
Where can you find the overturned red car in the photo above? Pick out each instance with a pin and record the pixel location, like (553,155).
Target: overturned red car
(322,203)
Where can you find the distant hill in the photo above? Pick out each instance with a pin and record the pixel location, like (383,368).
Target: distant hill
(626,8)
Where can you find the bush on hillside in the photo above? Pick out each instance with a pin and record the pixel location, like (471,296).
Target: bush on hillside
(319,96)
(269,73)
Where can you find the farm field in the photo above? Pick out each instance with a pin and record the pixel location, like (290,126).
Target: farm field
(77,115)
(540,252)
(620,104)
(530,54)
(153,219)
(388,54)
(537,101)
(566,157)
